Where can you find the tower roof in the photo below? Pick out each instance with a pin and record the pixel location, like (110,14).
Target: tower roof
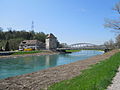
(50,36)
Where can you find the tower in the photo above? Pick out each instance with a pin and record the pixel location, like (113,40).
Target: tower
(32,26)
(51,42)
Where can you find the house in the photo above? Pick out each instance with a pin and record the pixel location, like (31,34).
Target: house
(51,42)
(34,44)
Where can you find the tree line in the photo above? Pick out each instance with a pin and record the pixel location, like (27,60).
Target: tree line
(14,37)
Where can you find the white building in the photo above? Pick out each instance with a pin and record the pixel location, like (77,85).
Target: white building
(51,42)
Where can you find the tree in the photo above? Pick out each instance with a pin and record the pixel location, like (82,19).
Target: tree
(15,37)
(7,46)
(40,36)
(63,45)
(118,41)
(1,48)
(117,7)
(14,43)
(9,29)
(114,23)
(1,29)
(110,44)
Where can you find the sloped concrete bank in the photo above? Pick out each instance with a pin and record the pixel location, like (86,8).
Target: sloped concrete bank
(42,79)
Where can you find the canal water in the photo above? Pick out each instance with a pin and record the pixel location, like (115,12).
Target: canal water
(21,65)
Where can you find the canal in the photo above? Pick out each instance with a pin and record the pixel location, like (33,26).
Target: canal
(21,65)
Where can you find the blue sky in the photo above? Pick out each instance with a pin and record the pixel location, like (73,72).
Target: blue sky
(72,21)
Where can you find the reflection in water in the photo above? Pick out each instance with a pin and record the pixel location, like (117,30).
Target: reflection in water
(51,60)
(21,65)
(47,60)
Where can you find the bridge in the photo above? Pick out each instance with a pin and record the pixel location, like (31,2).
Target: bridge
(82,46)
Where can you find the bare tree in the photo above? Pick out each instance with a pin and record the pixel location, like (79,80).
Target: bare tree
(117,7)
(110,44)
(114,24)
(118,41)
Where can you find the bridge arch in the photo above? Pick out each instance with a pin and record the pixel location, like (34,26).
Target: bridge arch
(84,46)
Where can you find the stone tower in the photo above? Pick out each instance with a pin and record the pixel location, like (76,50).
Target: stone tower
(51,42)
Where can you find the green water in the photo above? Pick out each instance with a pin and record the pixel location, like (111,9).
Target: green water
(10,67)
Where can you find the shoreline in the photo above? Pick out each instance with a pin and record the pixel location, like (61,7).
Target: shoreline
(44,78)
(33,54)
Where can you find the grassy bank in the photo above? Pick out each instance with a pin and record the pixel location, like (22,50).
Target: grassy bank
(98,77)
(26,52)
(72,50)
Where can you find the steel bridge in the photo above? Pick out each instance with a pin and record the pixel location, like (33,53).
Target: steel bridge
(84,46)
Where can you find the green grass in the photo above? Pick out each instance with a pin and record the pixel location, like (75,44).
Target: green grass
(26,52)
(98,77)
(72,50)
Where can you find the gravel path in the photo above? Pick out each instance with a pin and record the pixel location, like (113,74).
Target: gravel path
(116,82)
(44,78)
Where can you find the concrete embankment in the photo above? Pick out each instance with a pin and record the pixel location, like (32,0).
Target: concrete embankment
(44,78)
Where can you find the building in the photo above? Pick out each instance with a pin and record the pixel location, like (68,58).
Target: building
(34,44)
(51,42)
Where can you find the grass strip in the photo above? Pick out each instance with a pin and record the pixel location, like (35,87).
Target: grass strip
(26,52)
(97,77)
(72,50)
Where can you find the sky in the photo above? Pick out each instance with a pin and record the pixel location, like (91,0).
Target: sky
(71,21)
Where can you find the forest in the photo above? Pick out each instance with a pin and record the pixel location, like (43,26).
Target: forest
(14,37)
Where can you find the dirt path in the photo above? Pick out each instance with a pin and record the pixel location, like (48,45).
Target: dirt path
(44,78)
